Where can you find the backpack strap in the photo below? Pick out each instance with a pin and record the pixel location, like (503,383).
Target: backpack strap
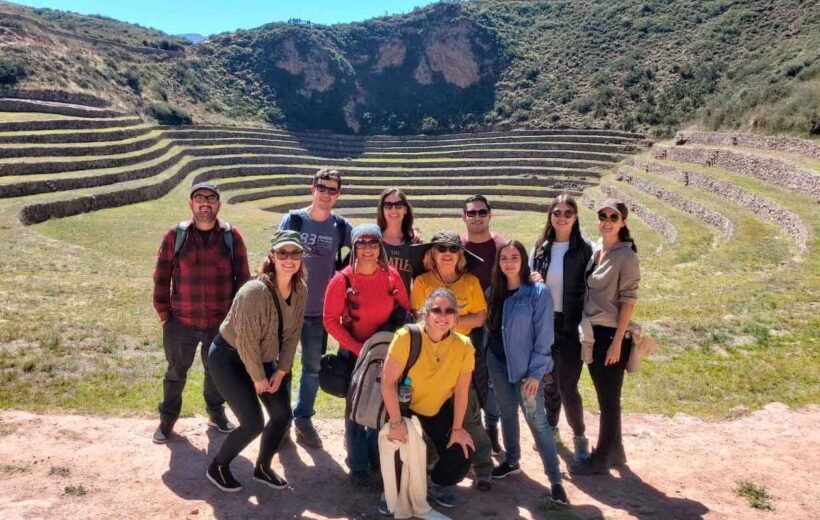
(182,234)
(227,236)
(415,349)
(341,228)
(295,221)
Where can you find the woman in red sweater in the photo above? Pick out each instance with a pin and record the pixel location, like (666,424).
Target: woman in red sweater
(358,302)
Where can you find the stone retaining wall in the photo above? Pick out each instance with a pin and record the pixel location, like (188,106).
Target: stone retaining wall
(436,203)
(660,224)
(779,143)
(74,137)
(760,206)
(69,124)
(57,96)
(675,200)
(776,171)
(46,107)
(77,151)
(306,179)
(46,167)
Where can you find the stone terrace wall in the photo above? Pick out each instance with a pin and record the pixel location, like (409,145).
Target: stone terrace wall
(779,143)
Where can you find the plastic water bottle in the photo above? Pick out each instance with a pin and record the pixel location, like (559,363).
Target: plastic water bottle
(405,394)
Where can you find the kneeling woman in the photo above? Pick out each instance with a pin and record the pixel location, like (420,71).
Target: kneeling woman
(440,381)
(252,355)
(520,333)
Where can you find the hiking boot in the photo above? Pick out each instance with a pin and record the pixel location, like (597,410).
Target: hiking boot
(307,436)
(492,433)
(383,509)
(616,457)
(220,421)
(269,477)
(221,477)
(592,466)
(164,430)
(442,495)
(483,484)
(505,468)
(581,448)
(558,497)
(360,479)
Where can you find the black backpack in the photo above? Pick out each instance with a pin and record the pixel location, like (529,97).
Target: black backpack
(341,226)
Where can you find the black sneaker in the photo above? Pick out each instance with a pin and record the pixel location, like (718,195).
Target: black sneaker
(222,478)
(505,468)
(559,496)
(164,430)
(307,436)
(269,477)
(220,421)
(360,479)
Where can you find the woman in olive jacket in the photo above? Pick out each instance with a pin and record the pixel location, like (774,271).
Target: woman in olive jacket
(559,259)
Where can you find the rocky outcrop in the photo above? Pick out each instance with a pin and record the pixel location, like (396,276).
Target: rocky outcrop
(448,50)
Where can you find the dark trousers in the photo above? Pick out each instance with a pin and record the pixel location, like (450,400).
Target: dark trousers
(563,389)
(180,342)
(608,381)
(451,466)
(236,385)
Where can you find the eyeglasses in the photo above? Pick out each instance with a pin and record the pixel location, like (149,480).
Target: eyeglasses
(443,248)
(321,188)
(368,244)
(210,199)
(399,204)
(557,213)
(449,311)
(612,217)
(281,254)
(473,213)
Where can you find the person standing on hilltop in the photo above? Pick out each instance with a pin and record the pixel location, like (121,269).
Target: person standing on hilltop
(480,241)
(201,264)
(323,235)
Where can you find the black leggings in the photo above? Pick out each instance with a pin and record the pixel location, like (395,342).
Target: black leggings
(608,381)
(566,354)
(451,467)
(236,386)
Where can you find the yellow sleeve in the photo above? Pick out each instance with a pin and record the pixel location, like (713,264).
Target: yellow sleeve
(418,293)
(468,361)
(399,348)
(477,303)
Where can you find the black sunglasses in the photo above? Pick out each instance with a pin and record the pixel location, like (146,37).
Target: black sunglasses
(603,217)
(393,205)
(444,248)
(321,188)
(473,213)
(557,213)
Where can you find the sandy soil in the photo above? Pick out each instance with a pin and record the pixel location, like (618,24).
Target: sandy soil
(679,468)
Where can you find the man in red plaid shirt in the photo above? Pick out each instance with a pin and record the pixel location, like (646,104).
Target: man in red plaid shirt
(201,264)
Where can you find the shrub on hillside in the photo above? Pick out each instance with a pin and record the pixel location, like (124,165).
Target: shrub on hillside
(168,115)
(11,73)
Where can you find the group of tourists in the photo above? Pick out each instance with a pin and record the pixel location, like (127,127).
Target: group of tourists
(482,327)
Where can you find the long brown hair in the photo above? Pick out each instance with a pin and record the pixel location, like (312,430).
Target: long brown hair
(498,280)
(406,222)
(549,232)
(623,233)
(267,270)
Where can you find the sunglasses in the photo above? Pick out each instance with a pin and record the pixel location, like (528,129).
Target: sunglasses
(210,199)
(473,213)
(284,255)
(612,217)
(393,205)
(321,188)
(442,248)
(557,213)
(368,244)
(449,311)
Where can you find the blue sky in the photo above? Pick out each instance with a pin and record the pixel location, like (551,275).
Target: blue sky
(214,16)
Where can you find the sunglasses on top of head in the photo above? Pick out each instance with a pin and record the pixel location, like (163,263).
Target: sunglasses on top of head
(393,205)
(444,248)
(557,213)
(449,311)
(321,188)
(473,213)
(612,217)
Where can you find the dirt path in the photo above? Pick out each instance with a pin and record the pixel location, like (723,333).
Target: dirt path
(679,468)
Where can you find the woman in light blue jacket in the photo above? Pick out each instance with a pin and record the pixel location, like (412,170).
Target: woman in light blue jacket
(518,340)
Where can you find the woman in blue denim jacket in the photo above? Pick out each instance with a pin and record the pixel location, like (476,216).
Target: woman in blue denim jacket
(518,339)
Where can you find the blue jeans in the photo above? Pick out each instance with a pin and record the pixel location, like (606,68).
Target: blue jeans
(362,446)
(314,344)
(509,399)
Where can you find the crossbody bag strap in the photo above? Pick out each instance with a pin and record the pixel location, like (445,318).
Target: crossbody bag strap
(280,329)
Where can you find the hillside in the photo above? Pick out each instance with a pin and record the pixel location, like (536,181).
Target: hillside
(650,66)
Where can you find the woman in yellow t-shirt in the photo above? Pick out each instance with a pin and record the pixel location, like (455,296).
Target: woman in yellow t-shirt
(446,263)
(440,381)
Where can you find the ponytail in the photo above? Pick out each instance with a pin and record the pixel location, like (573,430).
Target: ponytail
(623,234)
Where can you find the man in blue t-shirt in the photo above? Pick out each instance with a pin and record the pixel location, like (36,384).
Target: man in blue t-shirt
(323,234)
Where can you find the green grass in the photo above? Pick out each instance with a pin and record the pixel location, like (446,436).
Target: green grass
(758,496)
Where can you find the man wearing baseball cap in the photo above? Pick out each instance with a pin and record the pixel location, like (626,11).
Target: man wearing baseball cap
(201,264)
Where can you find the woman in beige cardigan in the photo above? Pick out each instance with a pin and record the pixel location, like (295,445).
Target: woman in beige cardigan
(251,359)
